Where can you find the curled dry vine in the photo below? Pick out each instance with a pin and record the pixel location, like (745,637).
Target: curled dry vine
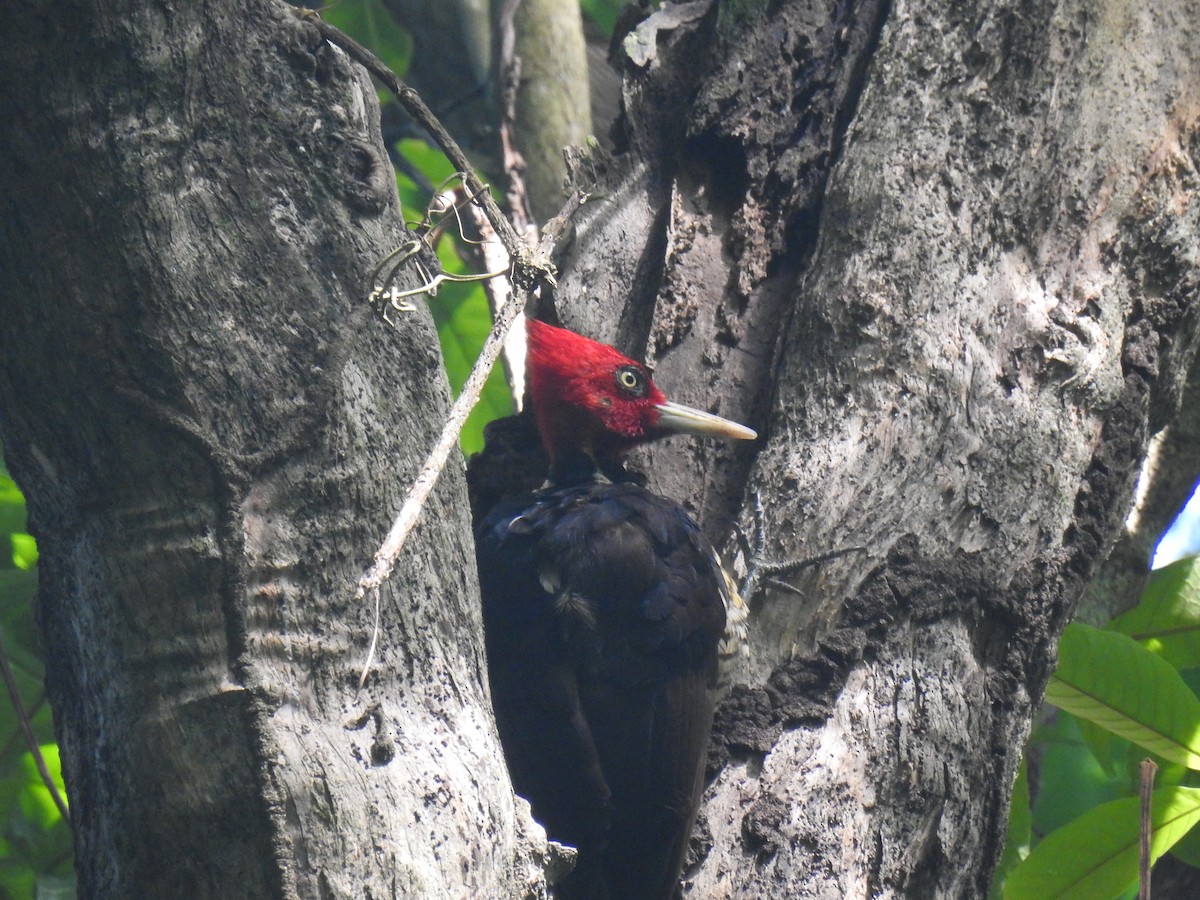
(529,268)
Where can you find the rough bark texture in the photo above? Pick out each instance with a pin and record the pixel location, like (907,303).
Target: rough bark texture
(943,256)
(213,433)
(1170,473)
(957,344)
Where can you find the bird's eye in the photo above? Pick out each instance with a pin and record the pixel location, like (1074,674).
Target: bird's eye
(632,381)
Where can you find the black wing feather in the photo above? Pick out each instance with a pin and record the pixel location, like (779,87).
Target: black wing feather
(603,611)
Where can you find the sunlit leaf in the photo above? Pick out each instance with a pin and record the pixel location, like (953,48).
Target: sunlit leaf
(1167,618)
(12,506)
(24,550)
(9,492)
(1096,856)
(35,798)
(1110,679)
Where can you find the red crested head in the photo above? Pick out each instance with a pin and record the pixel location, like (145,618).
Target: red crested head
(589,398)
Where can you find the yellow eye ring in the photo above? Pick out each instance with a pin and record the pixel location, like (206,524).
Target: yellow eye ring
(631,381)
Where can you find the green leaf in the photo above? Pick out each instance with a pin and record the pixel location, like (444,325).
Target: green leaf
(24,550)
(1096,856)
(36,801)
(1020,834)
(1070,781)
(20,643)
(369,23)
(1188,848)
(1106,747)
(1167,618)
(463,321)
(1110,679)
(460,311)
(9,492)
(17,587)
(17,878)
(603,12)
(463,326)
(433,164)
(12,506)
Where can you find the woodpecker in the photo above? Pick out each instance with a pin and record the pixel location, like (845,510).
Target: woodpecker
(604,608)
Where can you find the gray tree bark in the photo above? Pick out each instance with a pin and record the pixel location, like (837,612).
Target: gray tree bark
(942,256)
(214,433)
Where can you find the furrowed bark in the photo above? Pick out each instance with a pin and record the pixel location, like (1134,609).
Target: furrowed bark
(943,257)
(214,432)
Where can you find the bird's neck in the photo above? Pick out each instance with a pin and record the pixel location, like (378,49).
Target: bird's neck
(572,468)
(578,466)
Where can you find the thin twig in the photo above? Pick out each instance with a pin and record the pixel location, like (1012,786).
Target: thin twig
(1148,768)
(509,66)
(500,293)
(385,557)
(528,269)
(427,477)
(31,741)
(554,228)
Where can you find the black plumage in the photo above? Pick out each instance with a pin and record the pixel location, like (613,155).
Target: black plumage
(603,609)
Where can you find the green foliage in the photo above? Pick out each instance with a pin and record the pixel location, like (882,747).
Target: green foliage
(369,23)
(1121,691)
(1112,681)
(460,311)
(35,842)
(1096,855)
(463,322)
(1167,620)
(1020,833)
(603,13)
(1071,777)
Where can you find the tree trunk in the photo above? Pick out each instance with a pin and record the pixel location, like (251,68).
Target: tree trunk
(214,433)
(943,257)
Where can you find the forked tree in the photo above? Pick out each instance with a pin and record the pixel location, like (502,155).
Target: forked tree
(942,256)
